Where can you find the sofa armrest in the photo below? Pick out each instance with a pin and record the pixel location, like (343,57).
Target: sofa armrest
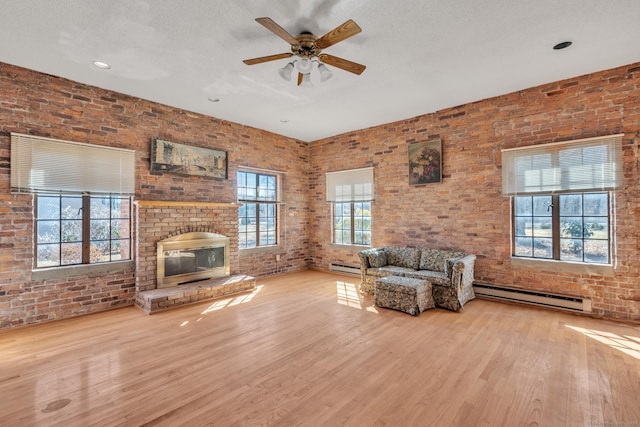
(371,258)
(374,257)
(364,259)
(462,272)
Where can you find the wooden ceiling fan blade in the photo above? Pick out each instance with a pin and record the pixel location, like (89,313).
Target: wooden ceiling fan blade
(352,67)
(276,29)
(267,58)
(300,76)
(344,31)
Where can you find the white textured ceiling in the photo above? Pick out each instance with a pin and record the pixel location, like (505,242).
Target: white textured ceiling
(421,55)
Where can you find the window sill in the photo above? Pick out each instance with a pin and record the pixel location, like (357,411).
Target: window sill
(260,249)
(563,266)
(82,270)
(350,247)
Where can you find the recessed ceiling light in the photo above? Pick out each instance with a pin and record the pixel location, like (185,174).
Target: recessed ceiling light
(102,65)
(284,120)
(212,99)
(562,45)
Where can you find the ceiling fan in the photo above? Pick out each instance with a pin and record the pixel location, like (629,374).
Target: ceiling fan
(308,48)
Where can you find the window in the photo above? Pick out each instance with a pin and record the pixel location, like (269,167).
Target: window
(562,196)
(257,217)
(351,192)
(566,227)
(82,199)
(81,229)
(352,223)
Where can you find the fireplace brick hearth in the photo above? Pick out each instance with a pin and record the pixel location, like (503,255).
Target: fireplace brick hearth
(157,300)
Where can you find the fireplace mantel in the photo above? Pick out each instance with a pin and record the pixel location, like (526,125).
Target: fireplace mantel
(156,203)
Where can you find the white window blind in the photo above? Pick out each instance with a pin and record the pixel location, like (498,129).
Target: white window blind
(585,164)
(50,165)
(354,185)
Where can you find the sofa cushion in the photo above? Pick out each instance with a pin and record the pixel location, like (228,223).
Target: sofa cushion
(390,270)
(433,277)
(403,257)
(435,259)
(432,259)
(377,258)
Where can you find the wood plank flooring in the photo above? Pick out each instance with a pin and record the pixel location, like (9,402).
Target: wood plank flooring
(307,349)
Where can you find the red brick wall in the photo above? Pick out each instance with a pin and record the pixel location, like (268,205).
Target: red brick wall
(466,211)
(39,104)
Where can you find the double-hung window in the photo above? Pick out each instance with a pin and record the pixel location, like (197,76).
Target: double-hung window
(562,199)
(258,213)
(351,194)
(82,199)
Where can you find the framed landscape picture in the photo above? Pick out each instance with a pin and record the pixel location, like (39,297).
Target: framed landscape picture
(183,159)
(425,162)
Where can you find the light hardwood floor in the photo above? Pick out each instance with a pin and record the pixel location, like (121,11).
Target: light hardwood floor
(307,349)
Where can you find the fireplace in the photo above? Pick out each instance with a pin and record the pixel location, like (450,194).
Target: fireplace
(193,256)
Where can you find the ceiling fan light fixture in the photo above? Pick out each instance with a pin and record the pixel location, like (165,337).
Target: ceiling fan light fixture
(304,65)
(285,72)
(306,80)
(307,49)
(325,73)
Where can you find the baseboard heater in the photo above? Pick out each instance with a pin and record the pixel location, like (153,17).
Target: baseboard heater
(343,268)
(545,299)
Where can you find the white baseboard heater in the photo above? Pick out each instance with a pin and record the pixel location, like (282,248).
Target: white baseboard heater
(343,268)
(545,299)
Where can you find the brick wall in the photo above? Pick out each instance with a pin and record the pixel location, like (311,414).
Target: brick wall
(466,211)
(44,105)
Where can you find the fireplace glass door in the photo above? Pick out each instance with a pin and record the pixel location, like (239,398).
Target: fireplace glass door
(192,261)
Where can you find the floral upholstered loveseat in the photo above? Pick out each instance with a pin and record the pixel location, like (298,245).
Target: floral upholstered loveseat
(449,272)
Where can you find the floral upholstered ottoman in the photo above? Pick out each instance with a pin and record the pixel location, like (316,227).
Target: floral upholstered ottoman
(412,296)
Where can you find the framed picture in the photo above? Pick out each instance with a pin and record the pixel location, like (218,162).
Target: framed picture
(425,162)
(182,159)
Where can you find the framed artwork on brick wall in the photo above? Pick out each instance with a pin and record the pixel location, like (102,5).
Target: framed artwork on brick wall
(425,162)
(183,159)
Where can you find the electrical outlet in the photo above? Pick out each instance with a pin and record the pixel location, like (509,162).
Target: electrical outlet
(277,257)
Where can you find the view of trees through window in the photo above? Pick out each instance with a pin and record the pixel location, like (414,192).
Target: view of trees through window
(567,227)
(352,223)
(63,239)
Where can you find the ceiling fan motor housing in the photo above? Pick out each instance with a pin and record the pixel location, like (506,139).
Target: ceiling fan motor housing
(306,47)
